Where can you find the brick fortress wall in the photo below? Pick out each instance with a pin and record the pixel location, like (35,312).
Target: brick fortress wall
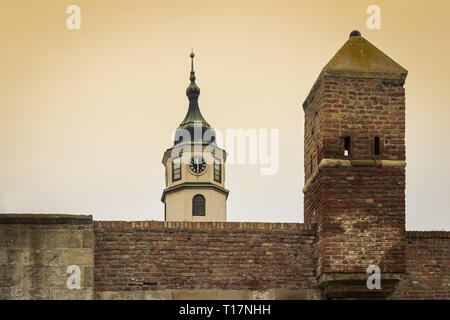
(427,273)
(182,260)
(223,260)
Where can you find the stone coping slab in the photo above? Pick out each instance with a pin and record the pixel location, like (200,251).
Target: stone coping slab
(45,219)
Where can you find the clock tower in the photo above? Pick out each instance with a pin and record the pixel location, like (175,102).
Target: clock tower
(195,168)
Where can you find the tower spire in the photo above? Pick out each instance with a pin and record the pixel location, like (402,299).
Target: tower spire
(193,116)
(193,91)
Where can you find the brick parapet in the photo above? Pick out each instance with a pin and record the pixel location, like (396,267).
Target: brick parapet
(154,255)
(205,225)
(428,234)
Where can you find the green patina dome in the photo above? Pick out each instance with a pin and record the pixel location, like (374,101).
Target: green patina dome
(193,121)
(193,90)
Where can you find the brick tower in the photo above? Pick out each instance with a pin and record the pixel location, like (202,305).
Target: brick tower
(355,169)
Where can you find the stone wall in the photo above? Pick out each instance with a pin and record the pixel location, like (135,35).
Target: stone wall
(216,260)
(35,252)
(427,273)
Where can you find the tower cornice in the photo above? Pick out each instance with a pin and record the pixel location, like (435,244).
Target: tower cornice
(194,185)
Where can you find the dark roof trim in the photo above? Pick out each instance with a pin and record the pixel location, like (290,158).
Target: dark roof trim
(194,185)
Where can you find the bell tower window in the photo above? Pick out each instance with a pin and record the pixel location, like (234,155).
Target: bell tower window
(176,169)
(217,170)
(198,205)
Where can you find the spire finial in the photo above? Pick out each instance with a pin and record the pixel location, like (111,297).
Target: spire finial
(192,59)
(193,90)
(355,33)
(192,77)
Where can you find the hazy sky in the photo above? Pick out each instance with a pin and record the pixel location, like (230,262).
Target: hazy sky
(85,115)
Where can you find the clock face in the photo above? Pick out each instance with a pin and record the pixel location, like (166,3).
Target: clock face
(197,164)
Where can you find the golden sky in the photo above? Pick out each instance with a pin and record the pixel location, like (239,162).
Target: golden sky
(85,115)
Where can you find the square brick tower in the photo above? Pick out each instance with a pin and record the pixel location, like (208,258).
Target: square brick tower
(355,169)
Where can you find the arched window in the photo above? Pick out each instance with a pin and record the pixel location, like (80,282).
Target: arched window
(198,205)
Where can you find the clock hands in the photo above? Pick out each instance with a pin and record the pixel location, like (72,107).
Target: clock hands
(197,164)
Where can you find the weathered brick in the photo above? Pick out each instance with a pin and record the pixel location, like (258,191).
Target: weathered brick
(227,256)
